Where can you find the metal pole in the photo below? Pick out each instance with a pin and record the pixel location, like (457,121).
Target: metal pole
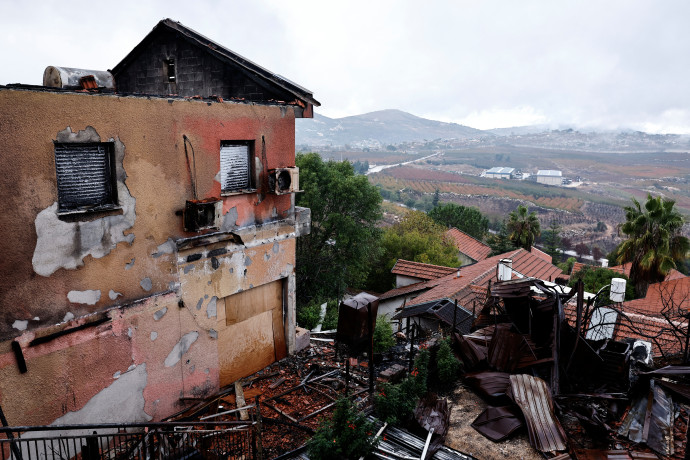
(347,376)
(259,446)
(411,348)
(455,314)
(686,355)
(10,436)
(371,351)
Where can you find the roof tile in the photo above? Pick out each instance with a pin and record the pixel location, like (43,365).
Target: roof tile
(662,296)
(468,245)
(420,270)
(524,264)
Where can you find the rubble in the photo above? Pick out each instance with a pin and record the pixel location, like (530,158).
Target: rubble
(537,373)
(581,394)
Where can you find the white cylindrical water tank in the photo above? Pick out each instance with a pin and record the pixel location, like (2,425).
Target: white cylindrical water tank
(67,77)
(617,290)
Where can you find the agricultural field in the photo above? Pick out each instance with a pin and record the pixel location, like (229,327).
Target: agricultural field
(609,179)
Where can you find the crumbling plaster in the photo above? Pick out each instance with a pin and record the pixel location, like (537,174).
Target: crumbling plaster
(81,366)
(65,243)
(158,175)
(78,373)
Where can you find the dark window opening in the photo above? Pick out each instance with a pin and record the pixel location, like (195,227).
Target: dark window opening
(236,170)
(170,65)
(86,178)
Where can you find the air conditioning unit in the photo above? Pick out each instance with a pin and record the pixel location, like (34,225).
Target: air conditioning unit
(202,214)
(283,180)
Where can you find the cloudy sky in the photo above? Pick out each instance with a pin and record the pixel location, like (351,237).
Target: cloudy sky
(486,64)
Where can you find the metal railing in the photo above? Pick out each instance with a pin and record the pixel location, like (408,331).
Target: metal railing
(136,441)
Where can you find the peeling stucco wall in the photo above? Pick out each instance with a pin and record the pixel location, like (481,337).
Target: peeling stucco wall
(135,367)
(65,244)
(164,312)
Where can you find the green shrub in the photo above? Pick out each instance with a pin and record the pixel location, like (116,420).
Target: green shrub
(308,315)
(594,278)
(346,435)
(447,364)
(383,335)
(396,403)
(331,320)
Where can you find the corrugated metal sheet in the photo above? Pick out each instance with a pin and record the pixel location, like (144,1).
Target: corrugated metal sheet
(396,443)
(498,423)
(84,177)
(532,395)
(505,349)
(234,167)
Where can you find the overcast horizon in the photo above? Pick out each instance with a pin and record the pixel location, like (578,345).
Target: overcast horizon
(582,64)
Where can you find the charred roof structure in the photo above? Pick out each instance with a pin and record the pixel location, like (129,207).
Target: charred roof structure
(174,59)
(580,393)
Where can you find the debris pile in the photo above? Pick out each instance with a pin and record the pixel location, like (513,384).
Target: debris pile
(545,361)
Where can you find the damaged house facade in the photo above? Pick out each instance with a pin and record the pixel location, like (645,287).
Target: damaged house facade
(150,231)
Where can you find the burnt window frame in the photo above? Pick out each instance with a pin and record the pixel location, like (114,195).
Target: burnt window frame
(110,174)
(251,182)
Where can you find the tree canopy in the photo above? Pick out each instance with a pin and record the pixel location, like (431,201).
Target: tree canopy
(594,278)
(654,243)
(523,227)
(500,242)
(345,209)
(552,240)
(468,219)
(417,238)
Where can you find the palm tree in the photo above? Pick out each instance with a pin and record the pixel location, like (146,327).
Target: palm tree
(654,241)
(524,228)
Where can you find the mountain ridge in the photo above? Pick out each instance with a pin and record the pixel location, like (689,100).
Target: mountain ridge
(377,129)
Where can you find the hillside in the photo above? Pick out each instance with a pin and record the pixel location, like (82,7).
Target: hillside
(377,129)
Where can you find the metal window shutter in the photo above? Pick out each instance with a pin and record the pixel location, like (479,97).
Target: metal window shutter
(234,167)
(83,175)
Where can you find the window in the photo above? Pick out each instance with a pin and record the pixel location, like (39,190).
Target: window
(236,167)
(85,177)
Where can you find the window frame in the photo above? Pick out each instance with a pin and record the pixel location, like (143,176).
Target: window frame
(251,180)
(110,175)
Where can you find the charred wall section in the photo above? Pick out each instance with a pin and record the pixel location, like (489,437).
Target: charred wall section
(170,64)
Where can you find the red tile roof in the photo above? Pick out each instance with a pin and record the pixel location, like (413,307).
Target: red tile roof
(531,266)
(662,296)
(655,330)
(419,270)
(410,288)
(577,266)
(470,246)
(674,275)
(623,269)
(524,263)
(542,254)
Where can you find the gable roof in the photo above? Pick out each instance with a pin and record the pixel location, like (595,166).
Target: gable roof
(542,254)
(468,245)
(525,264)
(409,289)
(221,53)
(660,295)
(419,270)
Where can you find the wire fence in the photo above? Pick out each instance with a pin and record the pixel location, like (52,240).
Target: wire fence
(140,441)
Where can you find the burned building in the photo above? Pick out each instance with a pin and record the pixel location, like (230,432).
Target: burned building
(150,231)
